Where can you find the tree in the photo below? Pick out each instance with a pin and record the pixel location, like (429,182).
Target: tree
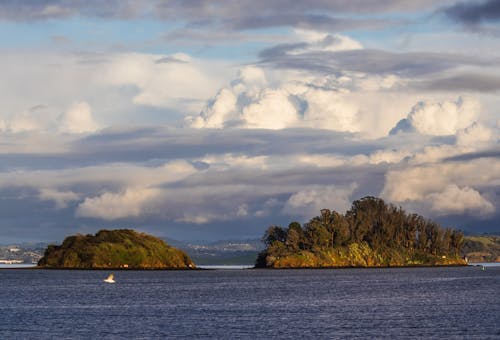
(294,236)
(274,234)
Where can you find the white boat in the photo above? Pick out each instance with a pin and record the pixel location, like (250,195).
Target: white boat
(110,279)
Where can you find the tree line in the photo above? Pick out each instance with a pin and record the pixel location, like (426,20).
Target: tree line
(370,220)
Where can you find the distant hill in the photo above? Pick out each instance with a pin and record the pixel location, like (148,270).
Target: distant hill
(224,252)
(28,253)
(371,234)
(482,248)
(122,248)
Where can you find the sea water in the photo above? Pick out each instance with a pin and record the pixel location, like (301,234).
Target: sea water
(396,303)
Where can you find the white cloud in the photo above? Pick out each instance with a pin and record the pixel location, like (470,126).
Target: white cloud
(443,118)
(26,122)
(242,210)
(122,88)
(250,104)
(267,99)
(60,198)
(308,202)
(321,160)
(217,113)
(78,119)
(389,156)
(328,109)
(451,187)
(111,174)
(132,202)
(455,200)
(179,85)
(324,41)
(251,77)
(196,218)
(229,160)
(268,207)
(475,135)
(270,109)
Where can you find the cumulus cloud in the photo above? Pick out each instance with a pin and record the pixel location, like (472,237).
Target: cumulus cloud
(218,112)
(251,103)
(111,206)
(121,88)
(309,202)
(455,200)
(475,135)
(27,121)
(440,118)
(77,119)
(181,85)
(432,184)
(322,41)
(328,109)
(264,99)
(270,109)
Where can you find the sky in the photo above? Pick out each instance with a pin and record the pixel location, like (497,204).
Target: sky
(208,120)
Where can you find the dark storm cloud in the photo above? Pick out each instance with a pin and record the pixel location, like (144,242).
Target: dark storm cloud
(474,12)
(14,10)
(366,60)
(147,145)
(475,155)
(211,191)
(462,82)
(228,14)
(143,144)
(207,192)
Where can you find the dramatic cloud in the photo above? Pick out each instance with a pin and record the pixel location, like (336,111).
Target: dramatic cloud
(208,120)
(439,184)
(474,12)
(182,85)
(126,88)
(110,206)
(455,200)
(241,15)
(486,83)
(476,135)
(58,9)
(444,118)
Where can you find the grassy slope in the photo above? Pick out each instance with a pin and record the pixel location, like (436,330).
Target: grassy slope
(482,248)
(360,255)
(122,248)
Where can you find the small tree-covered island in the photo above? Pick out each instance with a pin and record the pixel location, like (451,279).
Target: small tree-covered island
(114,249)
(370,234)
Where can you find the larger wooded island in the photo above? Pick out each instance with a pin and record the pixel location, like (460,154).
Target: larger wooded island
(370,234)
(122,248)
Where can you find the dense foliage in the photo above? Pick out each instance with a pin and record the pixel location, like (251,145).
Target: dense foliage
(371,233)
(121,248)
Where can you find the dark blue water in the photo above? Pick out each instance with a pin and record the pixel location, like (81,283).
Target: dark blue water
(350,303)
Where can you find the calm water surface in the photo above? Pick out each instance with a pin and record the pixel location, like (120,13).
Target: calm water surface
(261,304)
